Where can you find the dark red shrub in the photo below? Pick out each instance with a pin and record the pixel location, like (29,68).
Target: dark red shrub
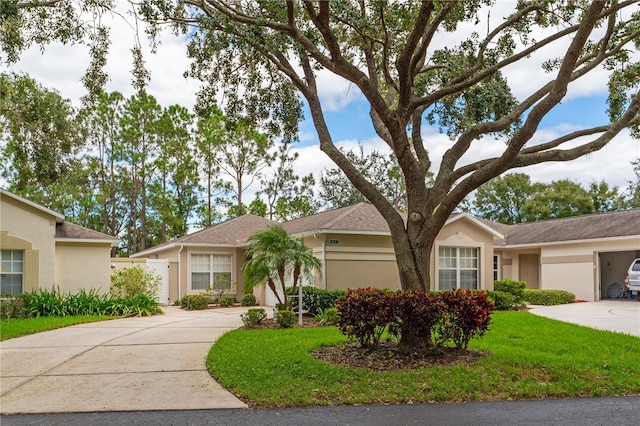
(416,315)
(365,313)
(467,315)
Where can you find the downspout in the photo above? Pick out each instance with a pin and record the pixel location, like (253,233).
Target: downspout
(324,261)
(180,272)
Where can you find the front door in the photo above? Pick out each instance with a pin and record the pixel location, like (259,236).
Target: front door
(530,270)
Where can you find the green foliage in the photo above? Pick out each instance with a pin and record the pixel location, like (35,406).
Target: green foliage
(53,303)
(514,199)
(315,300)
(227,300)
(42,137)
(328,316)
(271,255)
(13,306)
(133,281)
(503,301)
(287,195)
(514,287)
(548,297)
(382,170)
(253,317)
(194,302)
(286,318)
(45,303)
(248,300)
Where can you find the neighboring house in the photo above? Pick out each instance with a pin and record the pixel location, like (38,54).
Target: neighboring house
(353,244)
(582,254)
(215,253)
(40,250)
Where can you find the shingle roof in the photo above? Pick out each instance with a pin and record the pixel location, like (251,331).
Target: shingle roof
(72,231)
(232,232)
(603,225)
(362,217)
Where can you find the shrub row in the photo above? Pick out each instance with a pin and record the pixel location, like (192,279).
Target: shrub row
(423,321)
(45,302)
(548,297)
(315,300)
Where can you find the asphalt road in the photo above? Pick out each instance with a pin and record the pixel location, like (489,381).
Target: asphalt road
(610,411)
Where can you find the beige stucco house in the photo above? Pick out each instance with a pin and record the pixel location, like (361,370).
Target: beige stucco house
(353,244)
(40,250)
(583,254)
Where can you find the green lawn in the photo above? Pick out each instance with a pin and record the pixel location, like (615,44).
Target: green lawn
(16,327)
(532,357)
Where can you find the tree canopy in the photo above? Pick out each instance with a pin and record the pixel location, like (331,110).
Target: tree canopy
(414,62)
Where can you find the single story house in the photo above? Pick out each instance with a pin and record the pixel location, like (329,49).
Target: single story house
(40,250)
(353,244)
(583,254)
(580,254)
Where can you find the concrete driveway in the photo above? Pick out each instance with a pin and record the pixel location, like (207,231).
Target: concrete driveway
(149,363)
(613,315)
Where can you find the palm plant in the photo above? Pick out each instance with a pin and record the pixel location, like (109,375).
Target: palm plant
(273,255)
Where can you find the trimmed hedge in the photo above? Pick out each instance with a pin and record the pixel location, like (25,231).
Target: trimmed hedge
(548,297)
(286,318)
(315,300)
(514,287)
(503,301)
(253,317)
(194,302)
(248,300)
(227,300)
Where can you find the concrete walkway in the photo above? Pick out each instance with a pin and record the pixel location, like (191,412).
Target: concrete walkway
(149,363)
(613,315)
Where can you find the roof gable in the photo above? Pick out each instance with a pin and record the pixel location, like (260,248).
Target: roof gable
(231,233)
(34,206)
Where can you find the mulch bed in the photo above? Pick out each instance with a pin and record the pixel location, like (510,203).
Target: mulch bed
(386,357)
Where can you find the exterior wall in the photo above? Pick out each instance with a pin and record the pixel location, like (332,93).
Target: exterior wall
(83,266)
(464,233)
(35,228)
(573,266)
(180,267)
(510,261)
(354,261)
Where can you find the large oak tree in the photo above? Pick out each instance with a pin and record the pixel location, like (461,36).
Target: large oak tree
(262,55)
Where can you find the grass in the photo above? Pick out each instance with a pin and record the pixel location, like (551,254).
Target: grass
(16,327)
(531,357)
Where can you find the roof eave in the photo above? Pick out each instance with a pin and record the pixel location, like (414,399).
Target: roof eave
(583,241)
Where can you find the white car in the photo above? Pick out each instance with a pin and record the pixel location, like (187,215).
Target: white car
(632,279)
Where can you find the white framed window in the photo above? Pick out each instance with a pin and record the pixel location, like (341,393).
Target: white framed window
(11,271)
(457,268)
(496,267)
(210,271)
